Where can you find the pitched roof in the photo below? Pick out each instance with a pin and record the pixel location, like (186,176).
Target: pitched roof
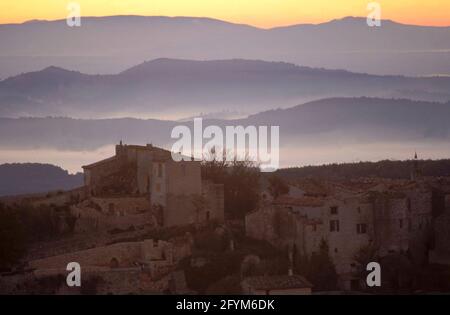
(159,155)
(300,201)
(313,187)
(112,158)
(278,282)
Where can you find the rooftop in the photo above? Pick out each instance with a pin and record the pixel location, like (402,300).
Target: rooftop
(299,201)
(159,154)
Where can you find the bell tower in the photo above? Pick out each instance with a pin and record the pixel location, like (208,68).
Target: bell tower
(416,173)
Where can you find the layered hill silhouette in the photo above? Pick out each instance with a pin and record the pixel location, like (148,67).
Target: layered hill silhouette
(113,44)
(343,120)
(173,88)
(28,178)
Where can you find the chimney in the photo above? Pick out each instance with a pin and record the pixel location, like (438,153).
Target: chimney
(119,148)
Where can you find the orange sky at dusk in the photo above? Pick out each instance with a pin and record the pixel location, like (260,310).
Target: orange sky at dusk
(262,13)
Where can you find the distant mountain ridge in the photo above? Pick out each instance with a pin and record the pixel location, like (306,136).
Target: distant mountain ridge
(336,119)
(28,178)
(111,44)
(175,88)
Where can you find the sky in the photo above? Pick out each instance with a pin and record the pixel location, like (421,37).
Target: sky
(261,13)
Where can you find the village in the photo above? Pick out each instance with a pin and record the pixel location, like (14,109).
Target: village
(145,224)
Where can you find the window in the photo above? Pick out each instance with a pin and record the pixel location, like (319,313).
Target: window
(314,227)
(334,225)
(408,204)
(158,187)
(207,215)
(334,210)
(359,209)
(361,228)
(400,223)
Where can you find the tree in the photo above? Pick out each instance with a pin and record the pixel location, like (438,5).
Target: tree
(319,269)
(23,224)
(240,180)
(277,186)
(12,238)
(398,272)
(363,256)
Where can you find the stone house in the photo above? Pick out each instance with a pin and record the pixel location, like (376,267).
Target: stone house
(394,218)
(403,220)
(121,268)
(302,223)
(175,191)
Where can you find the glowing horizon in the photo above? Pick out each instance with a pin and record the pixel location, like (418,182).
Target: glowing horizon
(259,13)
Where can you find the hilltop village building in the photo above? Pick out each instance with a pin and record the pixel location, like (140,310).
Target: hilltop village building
(125,197)
(389,216)
(128,198)
(148,176)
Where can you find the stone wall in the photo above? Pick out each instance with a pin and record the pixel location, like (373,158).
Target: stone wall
(94,280)
(117,255)
(260,225)
(122,206)
(215,202)
(185,209)
(181,210)
(159,183)
(184,178)
(403,221)
(151,253)
(97,214)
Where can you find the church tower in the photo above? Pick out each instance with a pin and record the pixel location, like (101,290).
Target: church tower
(416,173)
